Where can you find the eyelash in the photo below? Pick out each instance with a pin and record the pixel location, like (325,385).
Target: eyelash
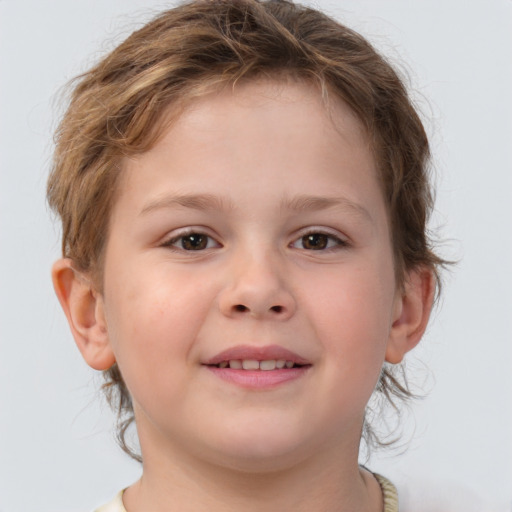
(172,243)
(332,242)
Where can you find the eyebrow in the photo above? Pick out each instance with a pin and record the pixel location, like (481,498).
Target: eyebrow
(306,203)
(300,204)
(205,202)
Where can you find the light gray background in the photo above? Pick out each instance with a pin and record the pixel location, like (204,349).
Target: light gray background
(56,447)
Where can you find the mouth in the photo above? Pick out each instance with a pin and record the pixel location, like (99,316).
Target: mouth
(253,364)
(258,367)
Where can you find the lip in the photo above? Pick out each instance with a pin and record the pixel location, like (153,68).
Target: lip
(258,379)
(265,353)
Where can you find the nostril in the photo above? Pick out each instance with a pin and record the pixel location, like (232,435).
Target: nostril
(240,308)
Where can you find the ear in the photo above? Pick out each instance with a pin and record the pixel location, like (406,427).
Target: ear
(411,313)
(84,309)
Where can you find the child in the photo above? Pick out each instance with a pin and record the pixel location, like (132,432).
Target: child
(243,192)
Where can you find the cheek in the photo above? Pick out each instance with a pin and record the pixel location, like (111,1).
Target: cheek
(152,319)
(353,316)
(153,316)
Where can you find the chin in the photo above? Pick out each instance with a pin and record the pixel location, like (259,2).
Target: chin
(262,463)
(260,451)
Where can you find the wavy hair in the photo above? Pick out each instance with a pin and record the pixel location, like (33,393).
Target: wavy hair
(116,109)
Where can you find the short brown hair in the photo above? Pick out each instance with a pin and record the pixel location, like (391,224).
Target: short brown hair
(116,109)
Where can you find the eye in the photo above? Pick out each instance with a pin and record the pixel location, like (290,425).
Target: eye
(318,241)
(192,242)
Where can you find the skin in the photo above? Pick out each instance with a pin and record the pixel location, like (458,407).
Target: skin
(254,171)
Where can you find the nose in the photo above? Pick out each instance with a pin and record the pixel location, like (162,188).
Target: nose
(257,289)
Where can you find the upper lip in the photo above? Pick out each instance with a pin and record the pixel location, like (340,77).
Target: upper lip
(265,353)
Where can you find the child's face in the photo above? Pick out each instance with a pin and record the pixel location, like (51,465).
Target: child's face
(255,229)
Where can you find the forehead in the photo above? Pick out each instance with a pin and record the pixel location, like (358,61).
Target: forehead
(292,105)
(302,104)
(283,136)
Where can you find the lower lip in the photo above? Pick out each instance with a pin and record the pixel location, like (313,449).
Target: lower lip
(259,379)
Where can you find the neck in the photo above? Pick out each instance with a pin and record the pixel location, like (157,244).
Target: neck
(325,482)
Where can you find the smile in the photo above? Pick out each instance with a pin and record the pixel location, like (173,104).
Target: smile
(254,364)
(258,368)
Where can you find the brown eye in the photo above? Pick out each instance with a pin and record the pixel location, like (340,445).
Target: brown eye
(315,241)
(191,241)
(319,241)
(194,242)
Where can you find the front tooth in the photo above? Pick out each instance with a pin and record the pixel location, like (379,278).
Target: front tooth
(235,364)
(280,363)
(289,364)
(268,365)
(250,364)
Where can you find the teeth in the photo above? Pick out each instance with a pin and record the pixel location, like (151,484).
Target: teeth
(250,364)
(267,365)
(254,364)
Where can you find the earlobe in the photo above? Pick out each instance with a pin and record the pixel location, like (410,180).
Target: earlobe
(412,311)
(84,309)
